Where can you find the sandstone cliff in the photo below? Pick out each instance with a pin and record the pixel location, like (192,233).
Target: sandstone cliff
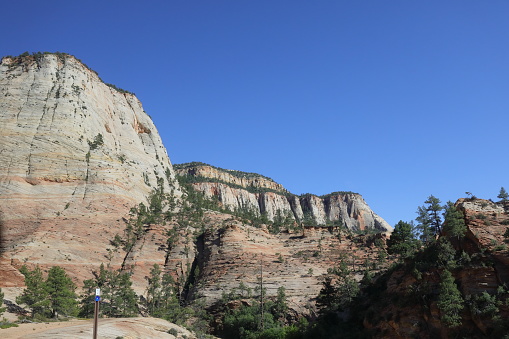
(406,302)
(240,191)
(236,253)
(75,155)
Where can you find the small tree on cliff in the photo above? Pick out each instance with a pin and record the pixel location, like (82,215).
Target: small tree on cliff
(433,207)
(429,219)
(424,225)
(450,301)
(402,240)
(503,195)
(454,221)
(338,291)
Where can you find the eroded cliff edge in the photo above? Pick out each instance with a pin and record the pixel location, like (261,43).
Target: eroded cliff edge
(75,155)
(261,196)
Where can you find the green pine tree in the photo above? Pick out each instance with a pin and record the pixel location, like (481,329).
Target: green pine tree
(450,301)
(35,295)
(402,240)
(424,225)
(326,300)
(503,195)
(2,309)
(445,253)
(88,298)
(280,307)
(454,221)
(61,289)
(429,219)
(122,297)
(434,209)
(154,292)
(118,299)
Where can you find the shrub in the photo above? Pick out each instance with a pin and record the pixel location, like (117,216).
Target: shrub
(98,141)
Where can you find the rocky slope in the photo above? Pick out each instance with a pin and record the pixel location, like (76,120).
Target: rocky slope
(240,191)
(147,328)
(75,155)
(237,253)
(407,305)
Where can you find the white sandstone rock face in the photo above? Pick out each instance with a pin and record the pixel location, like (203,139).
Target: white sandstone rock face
(354,211)
(248,191)
(75,154)
(238,178)
(232,198)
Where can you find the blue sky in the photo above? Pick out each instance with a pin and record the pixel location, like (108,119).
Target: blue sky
(395,100)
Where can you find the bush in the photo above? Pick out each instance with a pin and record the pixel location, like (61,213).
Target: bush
(98,141)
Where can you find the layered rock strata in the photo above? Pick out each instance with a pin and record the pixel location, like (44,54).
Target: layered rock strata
(408,306)
(240,191)
(75,155)
(236,254)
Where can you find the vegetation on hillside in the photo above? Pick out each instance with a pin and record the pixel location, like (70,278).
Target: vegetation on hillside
(37,57)
(235,173)
(427,259)
(425,279)
(51,297)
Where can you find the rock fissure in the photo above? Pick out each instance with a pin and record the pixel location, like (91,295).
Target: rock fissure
(27,99)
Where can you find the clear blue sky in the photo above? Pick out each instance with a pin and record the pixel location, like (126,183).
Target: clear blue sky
(395,100)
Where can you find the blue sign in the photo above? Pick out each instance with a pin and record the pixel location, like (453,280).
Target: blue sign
(97,298)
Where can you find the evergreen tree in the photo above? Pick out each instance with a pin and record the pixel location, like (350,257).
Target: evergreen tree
(338,291)
(35,295)
(168,291)
(450,301)
(61,289)
(434,209)
(118,299)
(280,306)
(2,309)
(429,219)
(88,297)
(348,289)
(445,253)
(326,300)
(503,195)
(454,221)
(424,225)
(122,296)
(245,321)
(402,240)
(154,292)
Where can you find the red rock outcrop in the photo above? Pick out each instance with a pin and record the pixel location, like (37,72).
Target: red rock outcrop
(408,306)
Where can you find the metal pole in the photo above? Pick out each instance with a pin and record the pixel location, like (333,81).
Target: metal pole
(96,314)
(96,310)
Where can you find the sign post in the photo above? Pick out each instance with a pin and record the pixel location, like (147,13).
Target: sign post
(96,310)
